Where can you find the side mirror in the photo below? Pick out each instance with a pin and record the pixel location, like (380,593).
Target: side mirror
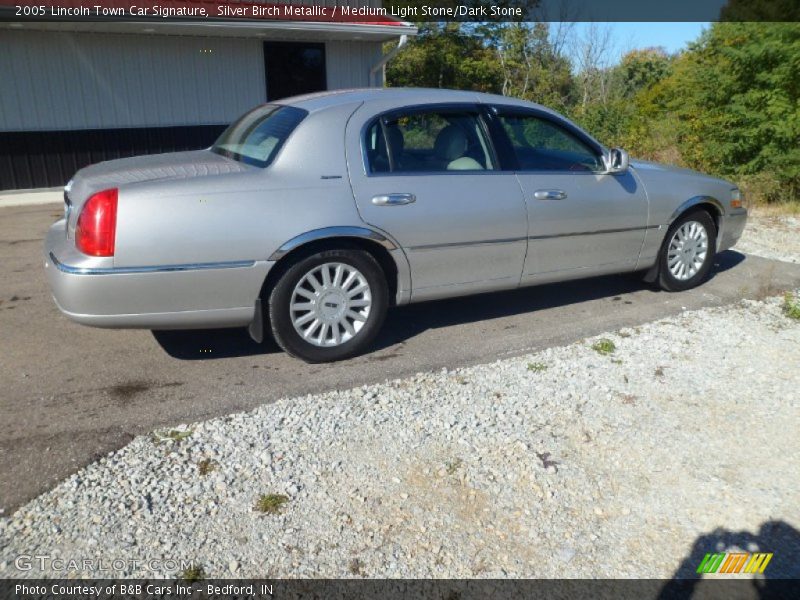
(617,160)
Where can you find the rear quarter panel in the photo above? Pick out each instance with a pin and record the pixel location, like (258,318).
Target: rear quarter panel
(241,216)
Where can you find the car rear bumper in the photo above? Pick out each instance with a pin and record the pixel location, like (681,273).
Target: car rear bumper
(93,292)
(731,228)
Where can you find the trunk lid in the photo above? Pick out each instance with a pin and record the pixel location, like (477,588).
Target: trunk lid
(153,167)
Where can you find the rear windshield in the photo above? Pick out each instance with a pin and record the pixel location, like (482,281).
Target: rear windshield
(256,138)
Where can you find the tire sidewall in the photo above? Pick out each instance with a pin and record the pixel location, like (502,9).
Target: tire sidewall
(280,298)
(668,281)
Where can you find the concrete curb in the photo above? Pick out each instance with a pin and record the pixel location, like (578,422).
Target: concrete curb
(32,197)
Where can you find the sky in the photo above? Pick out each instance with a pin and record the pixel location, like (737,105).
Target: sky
(627,36)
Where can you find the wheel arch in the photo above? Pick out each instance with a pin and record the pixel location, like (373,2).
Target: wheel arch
(710,204)
(384,249)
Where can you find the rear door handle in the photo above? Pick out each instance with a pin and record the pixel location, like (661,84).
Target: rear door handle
(549,194)
(393,199)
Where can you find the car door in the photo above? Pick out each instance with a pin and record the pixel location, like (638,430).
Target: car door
(429,177)
(582,221)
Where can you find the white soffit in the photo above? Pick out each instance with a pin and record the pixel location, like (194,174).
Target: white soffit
(273,30)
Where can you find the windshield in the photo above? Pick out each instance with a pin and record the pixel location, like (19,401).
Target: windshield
(256,138)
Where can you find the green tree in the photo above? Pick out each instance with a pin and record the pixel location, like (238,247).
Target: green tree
(640,69)
(734,97)
(613,119)
(444,55)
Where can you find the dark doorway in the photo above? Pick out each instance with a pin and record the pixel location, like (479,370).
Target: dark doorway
(294,68)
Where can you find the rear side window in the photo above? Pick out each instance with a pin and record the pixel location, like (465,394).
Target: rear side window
(428,142)
(256,138)
(541,145)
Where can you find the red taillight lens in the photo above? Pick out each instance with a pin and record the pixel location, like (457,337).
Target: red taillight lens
(96,230)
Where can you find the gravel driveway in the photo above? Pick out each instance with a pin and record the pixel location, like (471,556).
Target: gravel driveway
(569,462)
(774,236)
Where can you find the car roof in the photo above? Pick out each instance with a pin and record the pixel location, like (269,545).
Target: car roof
(330,99)
(400,97)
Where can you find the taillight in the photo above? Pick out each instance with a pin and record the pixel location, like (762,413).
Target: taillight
(96,230)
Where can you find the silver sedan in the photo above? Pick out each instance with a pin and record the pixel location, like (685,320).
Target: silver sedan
(309,217)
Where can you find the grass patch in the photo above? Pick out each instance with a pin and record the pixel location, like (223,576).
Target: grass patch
(604,346)
(172,435)
(205,466)
(192,574)
(776,209)
(355,567)
(452,466)
(791,306)
(270,504)
(537,367)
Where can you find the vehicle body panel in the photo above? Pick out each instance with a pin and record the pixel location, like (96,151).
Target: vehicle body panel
(465,231)
(599,224)
(198,233)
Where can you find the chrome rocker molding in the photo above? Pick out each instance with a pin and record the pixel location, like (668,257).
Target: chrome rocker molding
(238,264)
(532,237)
(331,232)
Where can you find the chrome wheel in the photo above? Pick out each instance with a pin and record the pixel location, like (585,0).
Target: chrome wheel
(330,304)
(687,250)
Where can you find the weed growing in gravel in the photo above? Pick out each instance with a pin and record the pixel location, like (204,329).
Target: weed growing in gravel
(205,466)
(453,466)
(173,435)
(791,306)
(270,504)
(354,567)
(537,367)
(604,346)
(192,574)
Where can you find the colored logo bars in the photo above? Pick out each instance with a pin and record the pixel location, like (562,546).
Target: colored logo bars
(733,562)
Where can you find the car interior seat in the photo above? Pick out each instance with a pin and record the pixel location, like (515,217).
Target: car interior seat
(451,147)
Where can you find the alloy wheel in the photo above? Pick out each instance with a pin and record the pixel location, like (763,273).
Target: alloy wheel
(687,250)
(330,304)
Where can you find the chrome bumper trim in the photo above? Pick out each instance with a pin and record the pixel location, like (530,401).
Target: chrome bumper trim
(237,264)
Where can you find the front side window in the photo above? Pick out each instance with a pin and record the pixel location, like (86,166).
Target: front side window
(256,138)
(542,145)
(427,142)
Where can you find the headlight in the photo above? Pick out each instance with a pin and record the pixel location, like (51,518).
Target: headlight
(737,198)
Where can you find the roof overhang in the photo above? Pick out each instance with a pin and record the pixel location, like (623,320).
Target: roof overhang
(274,30)
(277,30)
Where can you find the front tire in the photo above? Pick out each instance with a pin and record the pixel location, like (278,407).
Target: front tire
(329,306)
(688,252)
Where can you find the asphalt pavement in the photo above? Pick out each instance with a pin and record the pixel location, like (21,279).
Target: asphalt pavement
(70,394)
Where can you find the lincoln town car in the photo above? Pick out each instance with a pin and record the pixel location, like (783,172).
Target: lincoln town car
(310,217)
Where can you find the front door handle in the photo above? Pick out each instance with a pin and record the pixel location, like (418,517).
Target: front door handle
(393,199)
(549,194)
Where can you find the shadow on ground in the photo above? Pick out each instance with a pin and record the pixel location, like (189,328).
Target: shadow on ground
(407,322)
(781,578)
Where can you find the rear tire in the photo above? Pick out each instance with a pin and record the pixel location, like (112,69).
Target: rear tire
(329,306)
(688,252)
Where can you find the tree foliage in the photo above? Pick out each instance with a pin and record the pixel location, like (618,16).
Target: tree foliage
(735,100)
